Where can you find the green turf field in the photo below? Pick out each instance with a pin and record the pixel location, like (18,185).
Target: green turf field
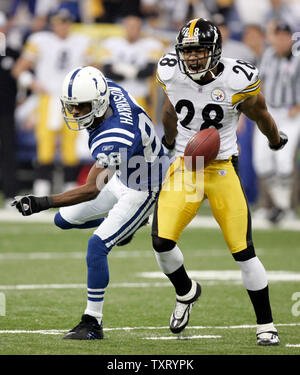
(42,281)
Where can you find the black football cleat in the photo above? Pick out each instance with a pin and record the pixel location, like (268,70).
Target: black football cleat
(130,237)
(181,314)
(87,329)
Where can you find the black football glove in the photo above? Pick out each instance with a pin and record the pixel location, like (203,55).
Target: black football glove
(169,149)
(282,143)
(29,204)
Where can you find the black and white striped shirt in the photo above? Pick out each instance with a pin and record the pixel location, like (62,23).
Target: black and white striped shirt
(281,79)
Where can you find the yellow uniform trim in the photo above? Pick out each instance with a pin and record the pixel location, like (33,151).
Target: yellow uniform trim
(253,85)
(32,48)
(236,98)
(192,27)
(159,81)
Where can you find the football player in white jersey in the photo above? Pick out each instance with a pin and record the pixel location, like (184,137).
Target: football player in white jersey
(205,90)
(131,60)
(51,54)
(121,188)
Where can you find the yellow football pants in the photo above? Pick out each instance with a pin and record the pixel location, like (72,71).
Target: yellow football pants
(183,192)
(46,138)
(142,101)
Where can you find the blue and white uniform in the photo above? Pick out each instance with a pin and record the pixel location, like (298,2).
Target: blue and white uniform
(127,141)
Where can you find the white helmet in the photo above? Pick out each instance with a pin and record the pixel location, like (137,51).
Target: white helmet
(84,85)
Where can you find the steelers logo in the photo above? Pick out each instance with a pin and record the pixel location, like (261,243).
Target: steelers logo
(218,95)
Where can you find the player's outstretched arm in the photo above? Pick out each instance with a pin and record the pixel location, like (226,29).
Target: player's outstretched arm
(169,120)
(97,178)
(255,109)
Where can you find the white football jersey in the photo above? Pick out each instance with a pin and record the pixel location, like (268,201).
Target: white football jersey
(118,50)
(212,105)
(55,57)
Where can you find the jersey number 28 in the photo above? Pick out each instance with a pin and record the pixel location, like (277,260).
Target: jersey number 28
(212,114)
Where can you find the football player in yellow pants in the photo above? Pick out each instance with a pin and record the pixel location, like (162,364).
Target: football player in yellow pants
(50,54)
(219,184)
(46,148)
(204,90)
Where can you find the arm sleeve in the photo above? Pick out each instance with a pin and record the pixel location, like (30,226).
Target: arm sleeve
(113,148)
(245,81)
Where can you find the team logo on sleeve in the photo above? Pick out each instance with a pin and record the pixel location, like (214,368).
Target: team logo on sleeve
(218,95)
(107,148)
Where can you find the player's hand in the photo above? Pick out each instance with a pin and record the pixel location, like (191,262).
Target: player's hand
(169,149)
(29,204)
(282,143)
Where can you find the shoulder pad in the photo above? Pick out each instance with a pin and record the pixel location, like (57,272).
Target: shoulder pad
(39,37)
(243,79)
(166,67)
(242,75)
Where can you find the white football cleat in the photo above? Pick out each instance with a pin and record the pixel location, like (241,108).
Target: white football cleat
(267,335)
(181,314)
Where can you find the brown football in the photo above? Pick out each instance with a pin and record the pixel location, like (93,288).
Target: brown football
(204,143)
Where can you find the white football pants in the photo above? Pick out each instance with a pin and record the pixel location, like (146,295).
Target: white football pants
(122,207)
(277,167)
(266,161)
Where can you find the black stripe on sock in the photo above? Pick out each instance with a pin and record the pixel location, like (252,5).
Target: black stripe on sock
(182,283)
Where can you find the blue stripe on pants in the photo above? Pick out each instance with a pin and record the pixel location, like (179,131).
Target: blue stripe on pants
(135,220)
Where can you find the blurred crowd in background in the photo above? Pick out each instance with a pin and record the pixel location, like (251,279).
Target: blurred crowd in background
(45,39)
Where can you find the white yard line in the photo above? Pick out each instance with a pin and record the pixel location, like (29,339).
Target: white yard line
(13,216)
(183,337)
(73,255)
(207,277)
(61,331)
(81,286)
(122,254)
(227,275)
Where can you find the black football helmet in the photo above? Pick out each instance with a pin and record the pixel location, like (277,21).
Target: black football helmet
(199,34)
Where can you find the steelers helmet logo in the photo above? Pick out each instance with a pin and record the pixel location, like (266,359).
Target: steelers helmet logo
(218,95)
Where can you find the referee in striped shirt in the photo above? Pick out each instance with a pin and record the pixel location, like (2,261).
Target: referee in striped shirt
(280,74)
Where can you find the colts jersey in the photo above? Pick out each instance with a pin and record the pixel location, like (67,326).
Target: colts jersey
(127,141)
(214,104)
